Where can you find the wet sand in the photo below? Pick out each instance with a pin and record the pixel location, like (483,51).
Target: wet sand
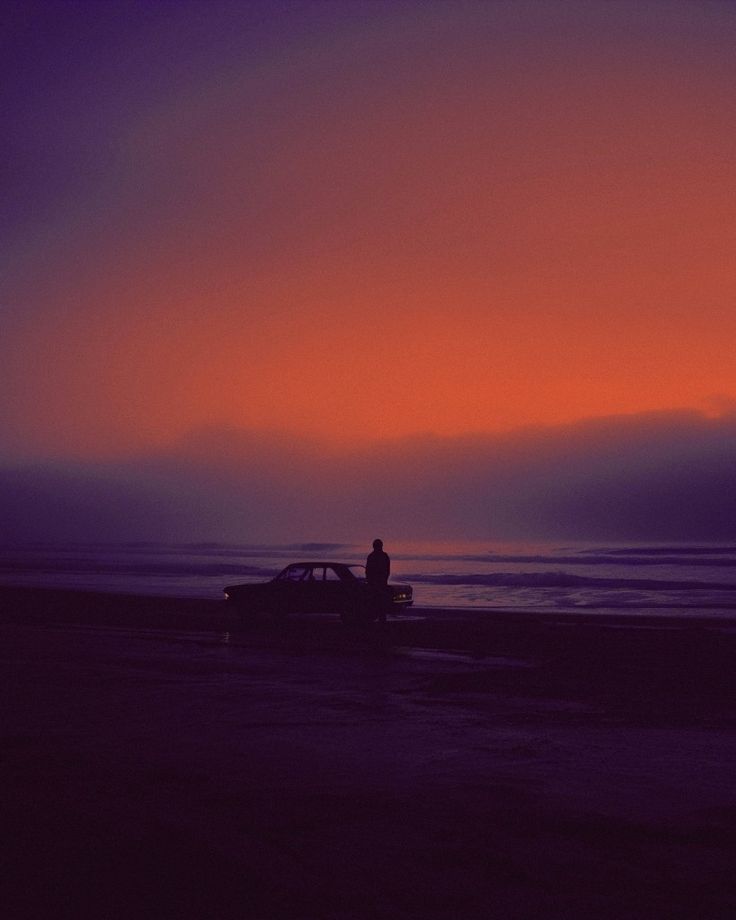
(159,760)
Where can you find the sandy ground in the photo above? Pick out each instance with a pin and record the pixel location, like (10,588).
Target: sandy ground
(160,761)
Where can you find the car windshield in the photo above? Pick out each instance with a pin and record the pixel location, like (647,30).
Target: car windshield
(293,573)
(357,571)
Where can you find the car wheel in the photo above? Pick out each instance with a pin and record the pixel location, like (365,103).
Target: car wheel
(357,616)
(277,616)
(244,613)
(251,612)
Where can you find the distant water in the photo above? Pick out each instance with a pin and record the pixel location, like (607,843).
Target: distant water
(633,578)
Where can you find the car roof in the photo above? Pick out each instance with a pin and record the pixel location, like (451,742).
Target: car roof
(336,565)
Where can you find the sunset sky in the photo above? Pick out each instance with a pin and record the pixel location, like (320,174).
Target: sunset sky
(352,221)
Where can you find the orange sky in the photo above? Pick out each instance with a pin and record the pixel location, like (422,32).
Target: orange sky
(448,218)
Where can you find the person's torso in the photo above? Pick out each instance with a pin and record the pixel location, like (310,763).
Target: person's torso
(377,567)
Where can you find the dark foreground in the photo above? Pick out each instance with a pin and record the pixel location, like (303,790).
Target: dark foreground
(159,761)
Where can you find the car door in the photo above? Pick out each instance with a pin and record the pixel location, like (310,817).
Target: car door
(336,592)
(323,590)
(291,592)
(311,589)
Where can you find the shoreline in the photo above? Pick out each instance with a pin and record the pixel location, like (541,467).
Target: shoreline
(634,667)
(85,604)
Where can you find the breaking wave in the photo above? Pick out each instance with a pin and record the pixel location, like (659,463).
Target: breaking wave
(563,580)
(539,576)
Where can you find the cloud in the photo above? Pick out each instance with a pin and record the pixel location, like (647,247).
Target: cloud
(662,476)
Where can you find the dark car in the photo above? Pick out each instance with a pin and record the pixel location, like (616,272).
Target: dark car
(319,587)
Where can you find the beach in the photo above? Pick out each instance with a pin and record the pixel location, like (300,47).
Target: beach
(162,760)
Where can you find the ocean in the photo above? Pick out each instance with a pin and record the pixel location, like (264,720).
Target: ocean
(630,578)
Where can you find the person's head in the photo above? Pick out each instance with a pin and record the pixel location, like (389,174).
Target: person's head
(378,544)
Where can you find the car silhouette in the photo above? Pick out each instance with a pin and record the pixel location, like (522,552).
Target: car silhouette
(319,587)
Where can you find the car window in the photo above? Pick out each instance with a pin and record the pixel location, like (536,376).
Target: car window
(331,574)
(357,571)
(318,573)
(294,573)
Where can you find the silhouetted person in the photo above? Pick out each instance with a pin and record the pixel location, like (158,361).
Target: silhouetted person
(377,566)
(377,569)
